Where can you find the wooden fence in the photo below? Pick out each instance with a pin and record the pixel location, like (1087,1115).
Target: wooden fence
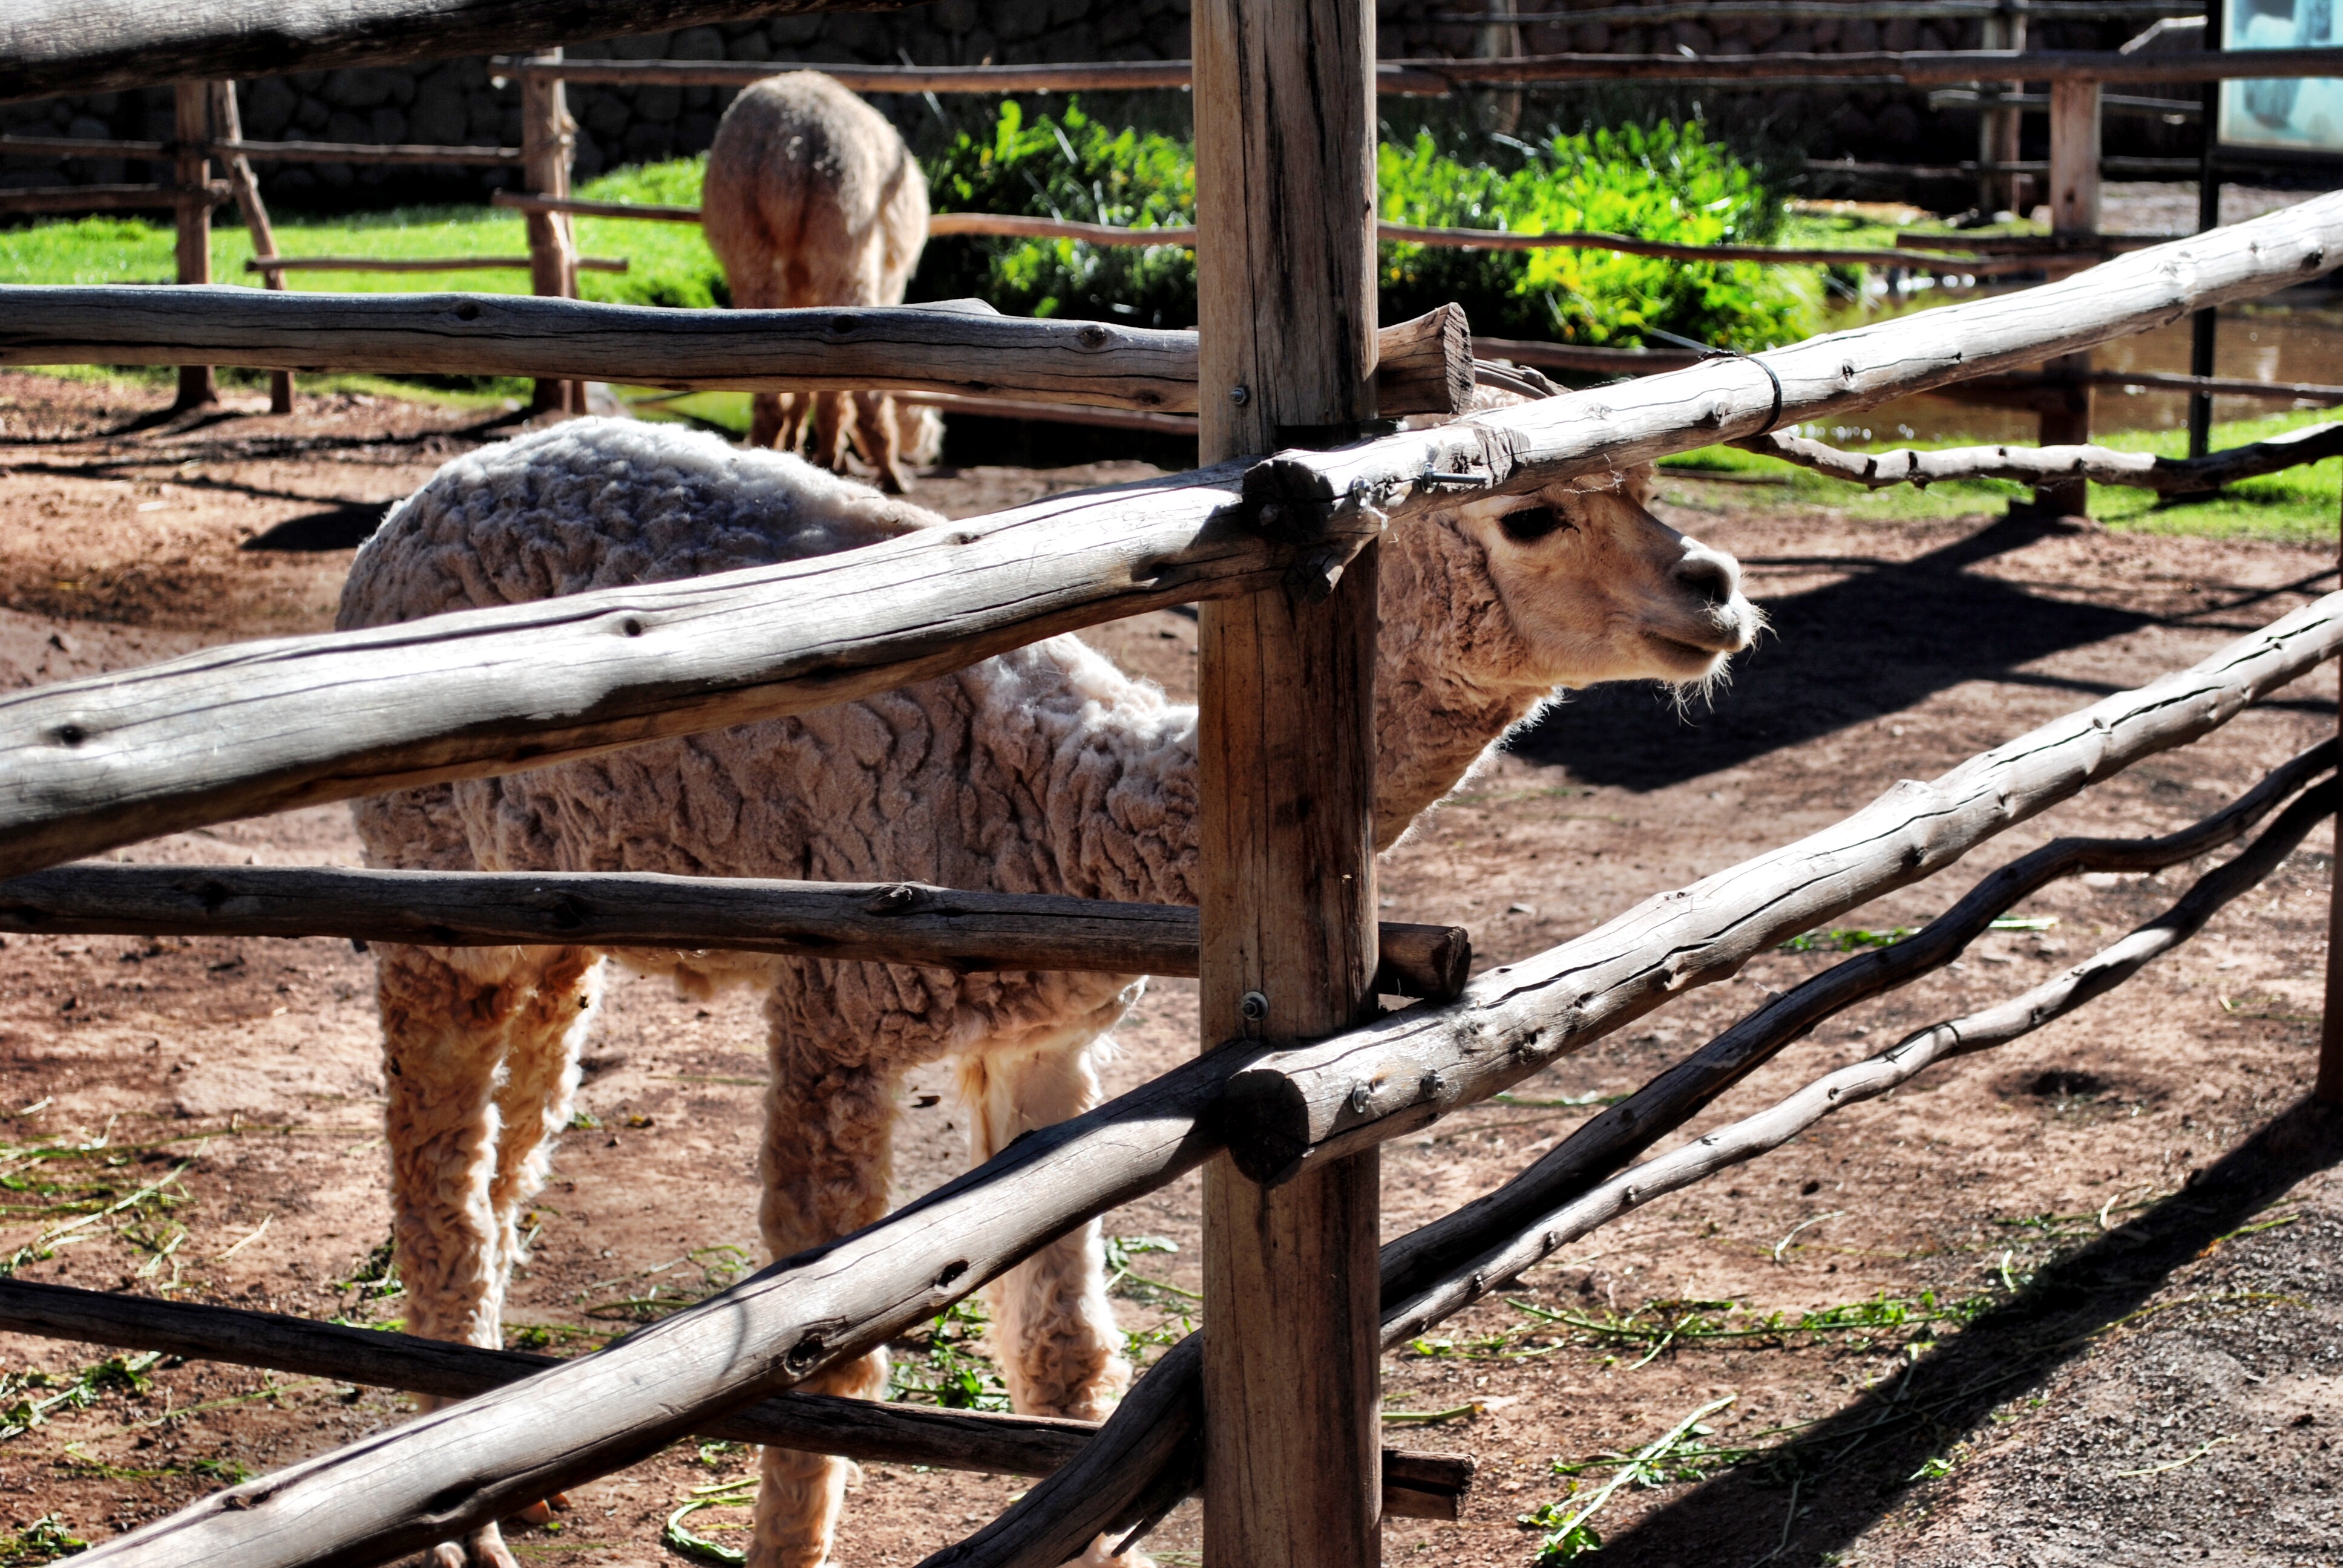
(1293,1093)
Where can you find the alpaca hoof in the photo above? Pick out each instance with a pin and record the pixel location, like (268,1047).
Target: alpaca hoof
(542,1511)
(482,1549)
(1101,1554)
(895,479)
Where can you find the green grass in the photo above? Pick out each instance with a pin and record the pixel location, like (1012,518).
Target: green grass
(670,263)
(2299,506)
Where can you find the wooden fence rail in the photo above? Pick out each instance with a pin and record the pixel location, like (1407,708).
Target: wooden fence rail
(230,731)
(1438,1268)
(1416,1485)
(886,922)
(439,1475)
(1735,399)
(959,346)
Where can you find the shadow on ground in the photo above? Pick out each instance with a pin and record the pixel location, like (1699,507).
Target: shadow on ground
(1850,1470)
(1871,644)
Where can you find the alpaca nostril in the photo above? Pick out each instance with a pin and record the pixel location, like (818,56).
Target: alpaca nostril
(1710,576)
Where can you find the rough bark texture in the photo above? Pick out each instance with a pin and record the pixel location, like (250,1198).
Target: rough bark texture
(885,923)
(1378,1082)
(2042,465)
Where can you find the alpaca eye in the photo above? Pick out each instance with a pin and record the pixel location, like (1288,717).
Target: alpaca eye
(1531,524)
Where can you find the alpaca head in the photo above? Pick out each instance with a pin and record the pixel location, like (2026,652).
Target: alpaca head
(1594,588)
(1491,607)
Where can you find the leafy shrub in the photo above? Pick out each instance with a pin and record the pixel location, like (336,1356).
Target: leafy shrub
(1076,170)
(1669,183)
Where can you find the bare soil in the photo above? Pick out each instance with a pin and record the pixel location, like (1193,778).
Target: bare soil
(2089,1302)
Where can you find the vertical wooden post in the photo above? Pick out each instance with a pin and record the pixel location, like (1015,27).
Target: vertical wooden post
(546,139)
(2204,327)
(191,129)
(227,126)
(2328,1089)
(2075,213)
(1998,139)
(1284,116)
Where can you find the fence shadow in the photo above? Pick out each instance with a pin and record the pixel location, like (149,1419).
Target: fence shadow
(1851,1469)
(1872,644)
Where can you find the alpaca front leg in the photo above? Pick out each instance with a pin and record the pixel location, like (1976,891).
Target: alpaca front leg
(824,1168)
(1060,1350)
(878,436)
(443,1040)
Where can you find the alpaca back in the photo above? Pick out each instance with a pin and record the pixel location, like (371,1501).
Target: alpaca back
(1042,770)
(811,198)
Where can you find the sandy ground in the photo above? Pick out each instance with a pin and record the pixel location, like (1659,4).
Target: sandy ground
(2087,1304)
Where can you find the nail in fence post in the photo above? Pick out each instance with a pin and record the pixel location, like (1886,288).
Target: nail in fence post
(1284,116)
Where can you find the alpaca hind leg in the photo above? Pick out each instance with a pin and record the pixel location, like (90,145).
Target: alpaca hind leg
(797,416)
(833,429)
(1062,1353)
(880,439)
(825,1166)
(767,420)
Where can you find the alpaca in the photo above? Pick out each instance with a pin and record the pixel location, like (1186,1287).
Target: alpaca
(811,198)
(1043,771)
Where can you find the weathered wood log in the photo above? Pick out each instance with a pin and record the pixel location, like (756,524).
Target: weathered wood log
(1285,296)
(932,348)
(77,147)
(362,152)
(230,731)
(1912,67)
(1730,400)
(228,122)
(275,263)
(1438,1268)
(1116,76)
(455,1469)
(1380,1082)
(1845,11)
(1770,1128)
(469,1463)
(882,922)
(1420,1485)
(192,221)
(2045,465)
(575,206)
(1577,356)
(1013,226)
(103,199)
(2153,381)
(1589,239)
(52,48)
(887,348)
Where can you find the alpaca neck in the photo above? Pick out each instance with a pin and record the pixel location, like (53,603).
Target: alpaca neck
(1451,675)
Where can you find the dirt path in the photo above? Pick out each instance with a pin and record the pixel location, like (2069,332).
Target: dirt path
(2054,1273)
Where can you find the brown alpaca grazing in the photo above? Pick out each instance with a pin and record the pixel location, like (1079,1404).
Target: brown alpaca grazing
(812,199)
(1042,770)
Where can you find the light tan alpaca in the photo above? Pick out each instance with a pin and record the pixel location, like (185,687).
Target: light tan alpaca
(1045,770)
(812,199)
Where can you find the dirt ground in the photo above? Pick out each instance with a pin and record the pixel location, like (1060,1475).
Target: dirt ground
(2075,1299)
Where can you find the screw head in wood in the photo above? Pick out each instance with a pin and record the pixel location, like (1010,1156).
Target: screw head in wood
(1360,1098)
(1253,1006)
(1240,393)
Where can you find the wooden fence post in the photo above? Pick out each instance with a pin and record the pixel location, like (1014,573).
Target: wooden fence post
(1998,129)
(1284,116)
(2329,1089)
(227,126)
(546,138)
(192,129)
(2074,212)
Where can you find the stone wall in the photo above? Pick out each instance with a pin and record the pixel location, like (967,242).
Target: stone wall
(453,101)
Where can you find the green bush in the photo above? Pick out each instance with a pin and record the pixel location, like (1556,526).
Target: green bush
(1078,171)
(1669,183)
